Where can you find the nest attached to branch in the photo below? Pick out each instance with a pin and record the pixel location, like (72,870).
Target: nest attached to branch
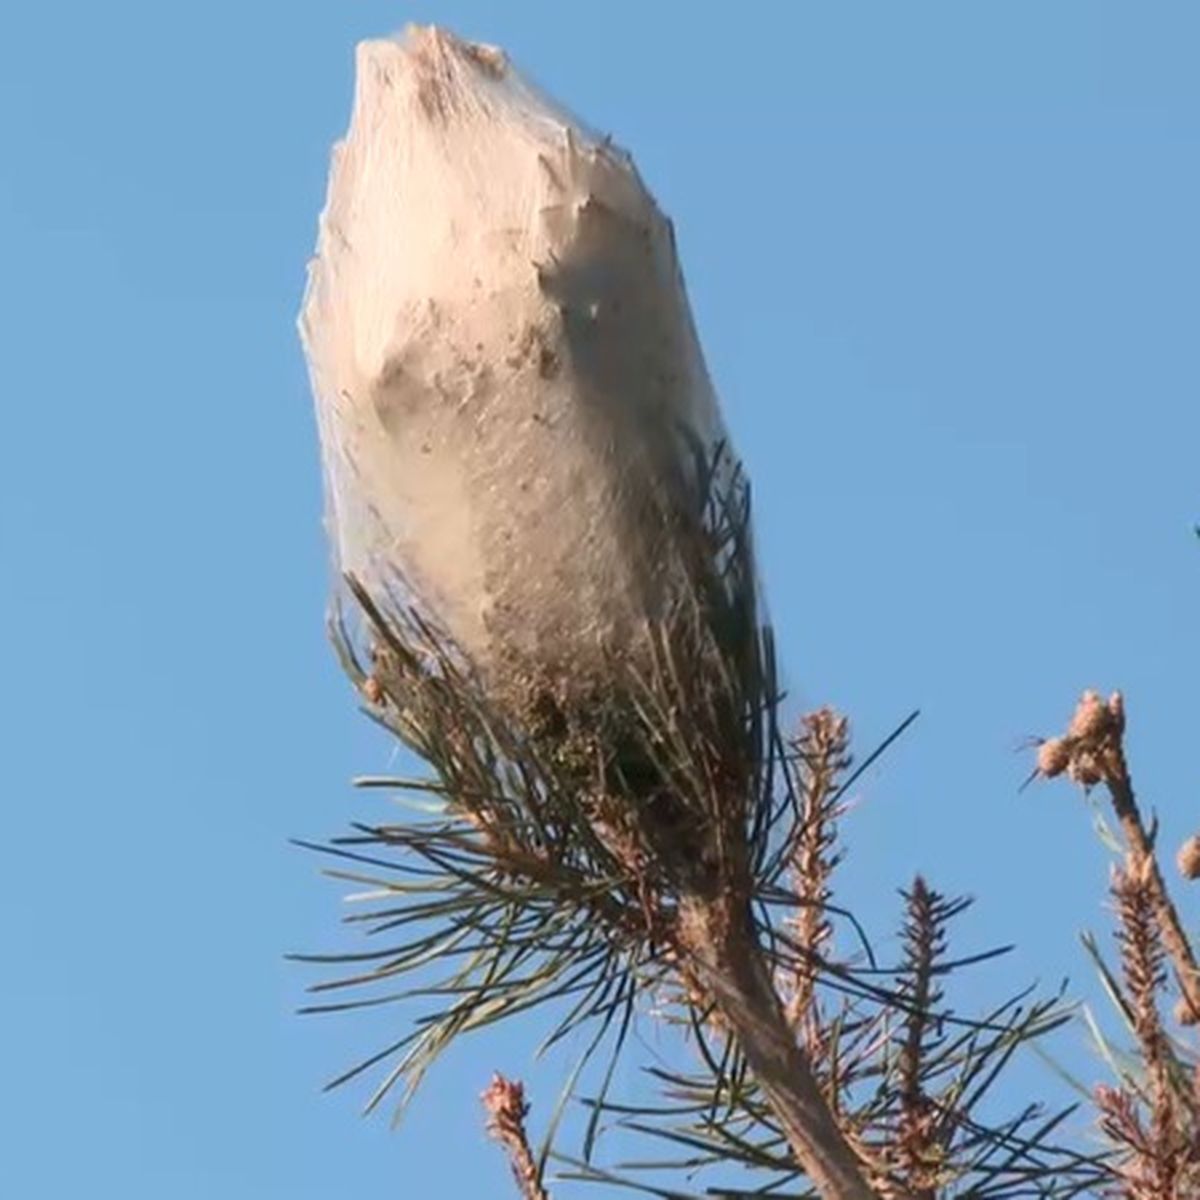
(641,780)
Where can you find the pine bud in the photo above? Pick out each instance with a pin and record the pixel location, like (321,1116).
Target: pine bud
(1092,719)
(1053,756)
(1188,858)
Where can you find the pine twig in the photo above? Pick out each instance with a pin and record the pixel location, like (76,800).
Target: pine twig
(1150,1121)
(1092,751)
(507,1108)
(1141,959)
(915,1137)
(1175,940)
(822,757)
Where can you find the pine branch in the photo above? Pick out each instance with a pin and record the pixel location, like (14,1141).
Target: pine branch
(733,972)
(916,1145)
(1152,1116)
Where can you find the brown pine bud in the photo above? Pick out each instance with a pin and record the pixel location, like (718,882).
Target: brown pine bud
(372,690)
(1185,1014)
(1092,719)
(1116,709)
(1054,756)
(1188,858)
(1085,769)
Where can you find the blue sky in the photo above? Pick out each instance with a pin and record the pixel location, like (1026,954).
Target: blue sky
(945,263)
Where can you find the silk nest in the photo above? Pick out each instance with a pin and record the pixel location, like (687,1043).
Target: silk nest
(515,416)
